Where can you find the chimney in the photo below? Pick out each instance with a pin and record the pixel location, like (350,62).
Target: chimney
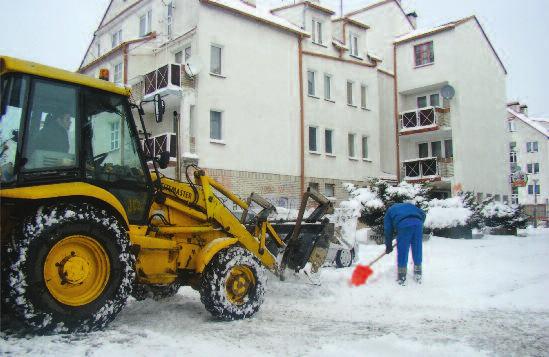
(249,2)
(412,17)
(515,106)
(524,109)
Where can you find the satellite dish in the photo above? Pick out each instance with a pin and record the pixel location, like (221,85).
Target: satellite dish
(447,92)
(192,66)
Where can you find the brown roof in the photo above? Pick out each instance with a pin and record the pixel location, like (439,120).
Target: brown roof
(307,3)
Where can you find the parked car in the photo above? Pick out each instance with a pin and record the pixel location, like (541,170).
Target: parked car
(342,253)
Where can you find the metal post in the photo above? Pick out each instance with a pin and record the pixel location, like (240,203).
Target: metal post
(535,203)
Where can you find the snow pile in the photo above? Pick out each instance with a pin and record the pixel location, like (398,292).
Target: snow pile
(412,193)
(447,213)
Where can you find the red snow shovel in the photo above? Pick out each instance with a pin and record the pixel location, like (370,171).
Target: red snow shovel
(363,272)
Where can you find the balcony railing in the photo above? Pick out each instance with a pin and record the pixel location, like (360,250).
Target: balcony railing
(169,74)
(155,145)
(428,168)
(423,118)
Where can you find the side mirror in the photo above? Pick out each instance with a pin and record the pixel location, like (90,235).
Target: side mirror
(164,159)
(159,108)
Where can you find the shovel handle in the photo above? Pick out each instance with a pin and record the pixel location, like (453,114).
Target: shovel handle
(380,256)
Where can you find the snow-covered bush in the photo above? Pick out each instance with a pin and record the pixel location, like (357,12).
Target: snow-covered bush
(500,215)
(447,213)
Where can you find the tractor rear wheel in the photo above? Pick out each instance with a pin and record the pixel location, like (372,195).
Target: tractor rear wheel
(71,269)
(233,284)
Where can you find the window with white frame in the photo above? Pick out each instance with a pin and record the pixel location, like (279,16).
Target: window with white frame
(169,20)
(532,146)
(513,157)
(313,139)
(115,135)
(311,83)
(145,22)
(215,59)
(534,189)
(327,87)
(328,141)
(422,101)
(116,38)
(178,57)
(117,76)
(434,100)
(511,126)
(216,125)
(98,48)
(353,44)
(423,150)
(365,147)
(532,168)
(329,190)
(363,93)
(350,99)
(317,31)
(448,148)
(351,145)
(183,56)
(424,54)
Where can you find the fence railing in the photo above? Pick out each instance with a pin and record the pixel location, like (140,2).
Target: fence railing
(428,167)
(423,117)
(169,74)
(157,144)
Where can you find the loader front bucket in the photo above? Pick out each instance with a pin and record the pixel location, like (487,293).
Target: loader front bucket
(307,240)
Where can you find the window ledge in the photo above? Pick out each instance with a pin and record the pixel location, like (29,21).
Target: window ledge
(329,100)
(356,57)
(313,96)
(352,105)
(367,160)
(353,158)
(217,75)
(314,152)
(425,65)
(219,142)
(330,155)
(366,109)
(319,44)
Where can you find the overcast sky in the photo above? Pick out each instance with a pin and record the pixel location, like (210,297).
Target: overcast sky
(57,32)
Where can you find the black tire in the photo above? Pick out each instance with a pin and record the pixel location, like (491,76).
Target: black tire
(30,297)
(344,258)
(213,285)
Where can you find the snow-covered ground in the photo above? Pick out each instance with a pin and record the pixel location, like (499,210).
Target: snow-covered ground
(479,297)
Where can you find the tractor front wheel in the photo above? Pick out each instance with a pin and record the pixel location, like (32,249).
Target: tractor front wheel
(71,269)
(233,284)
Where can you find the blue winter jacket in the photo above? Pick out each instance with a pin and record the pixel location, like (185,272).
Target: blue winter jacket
(401,215)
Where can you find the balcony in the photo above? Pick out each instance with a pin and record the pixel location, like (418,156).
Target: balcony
(423,119)
(155,145)
(428,169)
(168,77)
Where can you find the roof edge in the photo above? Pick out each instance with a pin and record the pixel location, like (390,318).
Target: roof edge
(371,6)
(526,121)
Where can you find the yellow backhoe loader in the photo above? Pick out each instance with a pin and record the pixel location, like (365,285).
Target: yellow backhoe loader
(85,223)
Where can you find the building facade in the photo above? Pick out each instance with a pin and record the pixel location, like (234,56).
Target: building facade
(273,101)
(529,156)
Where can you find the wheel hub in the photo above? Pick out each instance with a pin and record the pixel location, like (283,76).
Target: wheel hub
(76,270)
(238,284)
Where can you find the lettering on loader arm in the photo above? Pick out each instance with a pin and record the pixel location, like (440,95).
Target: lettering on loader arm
(184,195)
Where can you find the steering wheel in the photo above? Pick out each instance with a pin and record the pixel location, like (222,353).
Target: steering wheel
(98,159)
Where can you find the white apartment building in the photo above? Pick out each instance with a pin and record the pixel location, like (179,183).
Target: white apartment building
(529,153)
(296,97)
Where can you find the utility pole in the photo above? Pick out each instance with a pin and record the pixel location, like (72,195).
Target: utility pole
(535,202)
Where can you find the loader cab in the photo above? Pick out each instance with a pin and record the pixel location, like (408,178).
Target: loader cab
(54,131)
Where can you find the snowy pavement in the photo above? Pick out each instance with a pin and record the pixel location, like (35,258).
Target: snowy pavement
(479,298)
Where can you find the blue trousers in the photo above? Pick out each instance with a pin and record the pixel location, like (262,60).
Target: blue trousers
(406,237)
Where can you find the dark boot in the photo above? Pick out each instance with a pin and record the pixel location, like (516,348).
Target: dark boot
(401,276)
(417,273)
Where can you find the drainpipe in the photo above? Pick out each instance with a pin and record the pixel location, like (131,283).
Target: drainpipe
(125,55)
(395,93)
(301,117)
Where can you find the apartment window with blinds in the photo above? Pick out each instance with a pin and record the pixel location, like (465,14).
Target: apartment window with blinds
(532,168)
(327,87)
(117,76)
(351,145)
(313,139)
(448,149)
(311,85)
(353,44)
(116,38)
(424,54)
(350,100)
(317,32)
(328,138)
(363,96)
(215,59)
(329,190)
(115,134)
(532,146)
(216,125)
(365,147)
(423,149)
(145,22)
